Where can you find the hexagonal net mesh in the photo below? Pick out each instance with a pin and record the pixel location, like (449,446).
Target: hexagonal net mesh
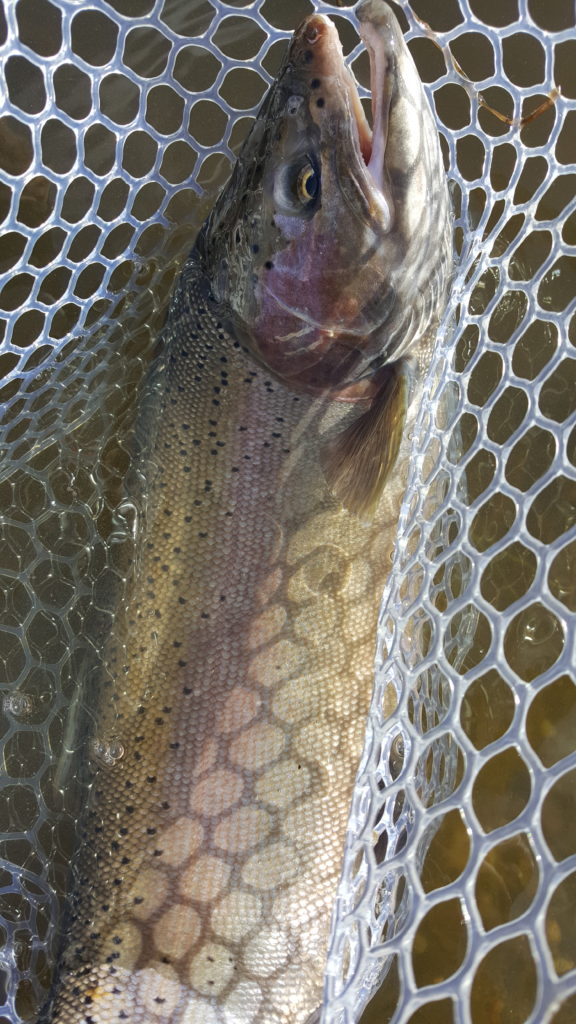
(118,123)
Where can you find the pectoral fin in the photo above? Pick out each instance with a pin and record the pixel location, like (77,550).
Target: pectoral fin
(358,461)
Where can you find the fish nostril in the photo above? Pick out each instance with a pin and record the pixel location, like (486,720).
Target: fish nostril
(312,33)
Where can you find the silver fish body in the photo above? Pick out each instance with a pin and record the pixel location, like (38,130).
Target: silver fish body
(240,669)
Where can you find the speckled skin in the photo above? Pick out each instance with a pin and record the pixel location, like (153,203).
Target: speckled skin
(241,684)
(241,666)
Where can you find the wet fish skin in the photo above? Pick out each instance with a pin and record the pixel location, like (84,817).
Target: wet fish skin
(323,296)
(240,671)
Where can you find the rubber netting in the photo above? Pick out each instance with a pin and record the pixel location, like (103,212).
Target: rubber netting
(118,122)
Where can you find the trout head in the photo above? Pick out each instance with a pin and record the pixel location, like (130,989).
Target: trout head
(317,251)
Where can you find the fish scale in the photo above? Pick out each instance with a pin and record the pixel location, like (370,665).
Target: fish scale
(240,684)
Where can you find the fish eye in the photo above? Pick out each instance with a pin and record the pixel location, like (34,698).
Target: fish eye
(297,187)
(307,184)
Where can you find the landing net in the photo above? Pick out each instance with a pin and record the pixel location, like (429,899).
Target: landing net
(119,121)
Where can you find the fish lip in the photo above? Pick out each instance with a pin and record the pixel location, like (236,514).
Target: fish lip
(378,30)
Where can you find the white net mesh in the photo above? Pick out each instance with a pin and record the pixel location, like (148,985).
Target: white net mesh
(118,122)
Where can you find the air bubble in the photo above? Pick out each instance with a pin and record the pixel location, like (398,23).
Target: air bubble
(21,705)
(106,752)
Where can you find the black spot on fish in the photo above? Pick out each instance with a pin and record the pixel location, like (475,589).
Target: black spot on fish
(255,248)
(269,265)
(320,102)
(307,56)
(315,83)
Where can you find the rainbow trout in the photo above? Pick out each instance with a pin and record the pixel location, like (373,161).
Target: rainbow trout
(241,666)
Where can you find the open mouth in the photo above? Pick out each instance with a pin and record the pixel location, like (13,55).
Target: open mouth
(377,34)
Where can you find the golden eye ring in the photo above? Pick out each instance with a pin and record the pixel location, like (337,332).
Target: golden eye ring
(307,184)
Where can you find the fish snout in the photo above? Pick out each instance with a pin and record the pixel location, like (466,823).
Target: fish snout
(317,46)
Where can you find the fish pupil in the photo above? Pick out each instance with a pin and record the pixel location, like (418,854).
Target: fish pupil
(311,185)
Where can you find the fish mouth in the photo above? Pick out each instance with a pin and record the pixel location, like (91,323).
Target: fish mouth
(378,30)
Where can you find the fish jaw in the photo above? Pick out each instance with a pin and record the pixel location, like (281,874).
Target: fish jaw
(324,292)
